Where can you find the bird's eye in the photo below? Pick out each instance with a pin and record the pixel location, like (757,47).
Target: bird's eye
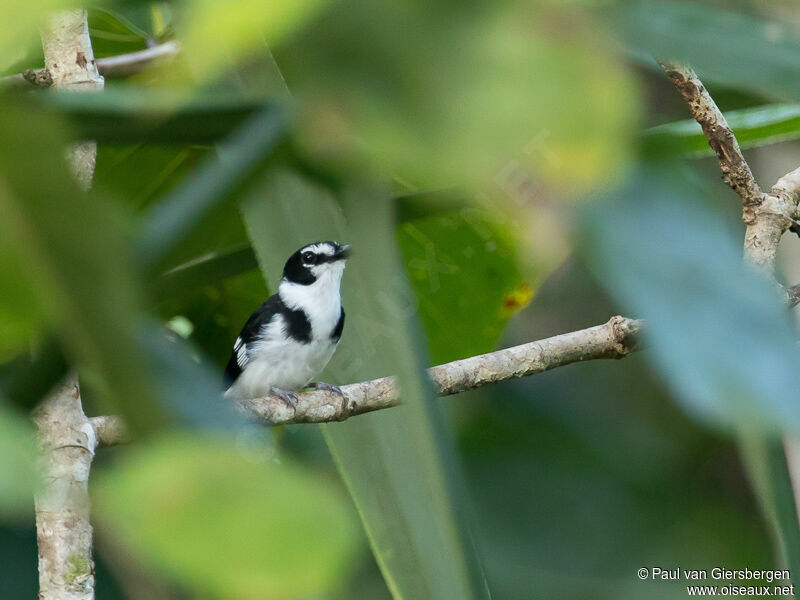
(309,258)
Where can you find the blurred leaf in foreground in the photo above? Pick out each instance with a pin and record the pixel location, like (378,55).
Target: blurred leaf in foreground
(215,32)
(224,519)
(717,330)
(436,94)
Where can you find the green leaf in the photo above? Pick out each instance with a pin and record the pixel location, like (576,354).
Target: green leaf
(223,519)
(757,126)
(399,465)
(723,47)
(764,458)
(169,223)
(463,268)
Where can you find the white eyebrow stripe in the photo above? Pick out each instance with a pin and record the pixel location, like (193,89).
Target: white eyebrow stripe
(326,249)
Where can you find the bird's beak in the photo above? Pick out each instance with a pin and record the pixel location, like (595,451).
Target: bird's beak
(343,252)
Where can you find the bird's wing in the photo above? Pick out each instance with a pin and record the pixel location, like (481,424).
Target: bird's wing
(250,333)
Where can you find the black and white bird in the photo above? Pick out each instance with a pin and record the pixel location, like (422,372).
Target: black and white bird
(290,338)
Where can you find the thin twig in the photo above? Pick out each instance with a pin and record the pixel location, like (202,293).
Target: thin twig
(734,167)
(123,65)
(615,339)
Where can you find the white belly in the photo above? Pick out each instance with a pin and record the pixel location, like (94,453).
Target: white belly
(285,364)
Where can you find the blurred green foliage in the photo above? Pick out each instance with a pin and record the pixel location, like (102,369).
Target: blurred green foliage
(451,144)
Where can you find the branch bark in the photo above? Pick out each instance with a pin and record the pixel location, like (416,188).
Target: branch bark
(615,339)
(123,65)
(67,439)
(767,216)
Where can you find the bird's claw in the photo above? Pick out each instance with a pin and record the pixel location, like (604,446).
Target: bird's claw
(329,387)
(289,397)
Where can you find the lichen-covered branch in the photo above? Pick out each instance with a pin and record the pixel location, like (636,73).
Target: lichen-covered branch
(615,339)
(68,441)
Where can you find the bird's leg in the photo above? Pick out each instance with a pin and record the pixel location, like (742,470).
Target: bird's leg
(289,397)
(328,387)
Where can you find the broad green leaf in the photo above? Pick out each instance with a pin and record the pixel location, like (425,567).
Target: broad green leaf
(717,331)
(177,217)
(765,460)
(398,465)
(436,98)
(463,268)
(18,449)
(757,126)
(223,519)
(723,47)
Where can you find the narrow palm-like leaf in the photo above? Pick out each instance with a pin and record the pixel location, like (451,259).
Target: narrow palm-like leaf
(399,466)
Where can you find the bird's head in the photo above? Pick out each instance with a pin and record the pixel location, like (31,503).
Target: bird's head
(320,260)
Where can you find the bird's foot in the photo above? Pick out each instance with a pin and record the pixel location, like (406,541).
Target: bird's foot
(289,397)
(326,387)
(329,387)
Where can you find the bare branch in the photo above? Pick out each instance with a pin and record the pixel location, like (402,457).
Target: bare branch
(68,441)
(614,339)
(123,65)
(734,167)
(63,530)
